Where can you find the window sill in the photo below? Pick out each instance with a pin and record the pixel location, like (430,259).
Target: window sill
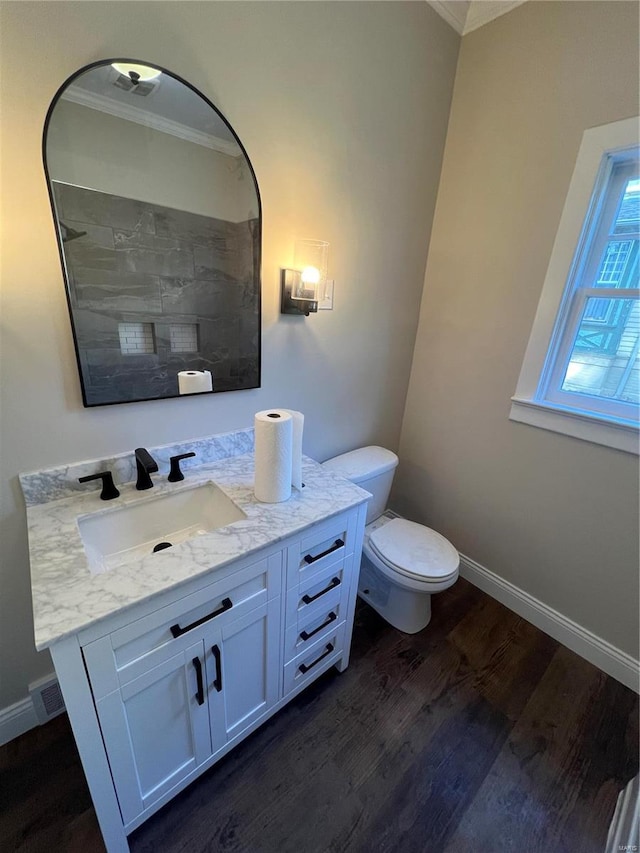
(583,426)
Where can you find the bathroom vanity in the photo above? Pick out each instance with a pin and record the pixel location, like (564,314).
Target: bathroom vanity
(167,660)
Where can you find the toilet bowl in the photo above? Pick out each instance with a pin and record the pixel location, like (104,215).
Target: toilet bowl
(403,563)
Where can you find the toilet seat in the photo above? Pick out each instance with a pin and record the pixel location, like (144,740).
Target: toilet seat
(414,551)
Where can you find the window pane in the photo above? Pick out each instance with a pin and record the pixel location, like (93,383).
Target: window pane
(628,218)
(616,264)
(619,262)
(605,358)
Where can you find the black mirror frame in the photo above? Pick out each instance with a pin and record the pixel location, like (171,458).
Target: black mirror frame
(52,105)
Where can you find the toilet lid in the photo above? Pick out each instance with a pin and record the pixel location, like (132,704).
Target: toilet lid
(414,550)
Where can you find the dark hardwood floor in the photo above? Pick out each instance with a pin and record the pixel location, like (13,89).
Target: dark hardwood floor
(479,734)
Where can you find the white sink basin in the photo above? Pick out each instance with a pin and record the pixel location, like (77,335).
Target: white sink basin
(126,534)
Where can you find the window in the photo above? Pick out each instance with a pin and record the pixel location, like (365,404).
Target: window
(581,373)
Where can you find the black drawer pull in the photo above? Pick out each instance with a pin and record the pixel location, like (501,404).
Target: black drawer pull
(330,618)
(198,668)
(306,667)
(217,681)
(177,631)
(337,544)
(307,599)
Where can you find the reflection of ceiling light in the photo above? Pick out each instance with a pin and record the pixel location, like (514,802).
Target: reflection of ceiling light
(136,72)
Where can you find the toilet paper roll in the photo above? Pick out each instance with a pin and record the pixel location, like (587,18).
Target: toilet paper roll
(296,448)
(273,455)
(194,381)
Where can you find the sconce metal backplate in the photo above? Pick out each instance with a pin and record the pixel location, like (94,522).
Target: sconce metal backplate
(289,279)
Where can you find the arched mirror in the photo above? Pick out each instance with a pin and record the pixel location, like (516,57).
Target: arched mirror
(158,219)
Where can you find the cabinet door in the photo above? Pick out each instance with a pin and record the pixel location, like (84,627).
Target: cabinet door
(156,729)
(243,662)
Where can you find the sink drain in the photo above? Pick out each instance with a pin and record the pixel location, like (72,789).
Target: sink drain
(161,546)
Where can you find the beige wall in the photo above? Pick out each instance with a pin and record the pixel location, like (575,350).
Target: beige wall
(556,516)
(102,152)
(343,109)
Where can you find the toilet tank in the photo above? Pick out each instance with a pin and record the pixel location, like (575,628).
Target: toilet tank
(372,468)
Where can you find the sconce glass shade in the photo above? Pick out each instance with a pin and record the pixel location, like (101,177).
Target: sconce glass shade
(311,260)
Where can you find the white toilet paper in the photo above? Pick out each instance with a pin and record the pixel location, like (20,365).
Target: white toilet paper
(194,381)
(273,455)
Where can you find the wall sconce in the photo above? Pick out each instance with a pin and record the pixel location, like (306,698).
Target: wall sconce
(300,285)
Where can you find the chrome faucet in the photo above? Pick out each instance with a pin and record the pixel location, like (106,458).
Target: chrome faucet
(146,464)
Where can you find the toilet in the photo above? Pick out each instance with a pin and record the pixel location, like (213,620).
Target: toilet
(403,563)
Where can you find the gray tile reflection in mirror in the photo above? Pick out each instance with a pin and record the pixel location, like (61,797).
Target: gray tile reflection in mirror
(180,277)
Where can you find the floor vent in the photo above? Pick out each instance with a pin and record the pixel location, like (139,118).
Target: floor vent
(47,698)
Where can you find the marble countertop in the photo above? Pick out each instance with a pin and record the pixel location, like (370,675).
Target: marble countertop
(67,597)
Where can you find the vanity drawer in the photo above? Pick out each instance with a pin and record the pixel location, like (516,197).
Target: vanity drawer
(324,588)
(314,660)
(316,624)
(327,543)
(119,657)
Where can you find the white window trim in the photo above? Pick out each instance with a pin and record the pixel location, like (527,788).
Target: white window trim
(525,408)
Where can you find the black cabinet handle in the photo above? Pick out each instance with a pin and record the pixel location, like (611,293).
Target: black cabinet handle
(309,598)
(109,491)
(217,681)
(305,668)
(175,475)
(330,618)
(177,631)
(200,692)
(339,543)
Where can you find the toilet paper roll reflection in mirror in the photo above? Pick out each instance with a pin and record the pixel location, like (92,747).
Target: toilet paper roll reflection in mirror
(194,381)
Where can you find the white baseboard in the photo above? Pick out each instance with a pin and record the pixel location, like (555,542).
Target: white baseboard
(17,719)
(616,663)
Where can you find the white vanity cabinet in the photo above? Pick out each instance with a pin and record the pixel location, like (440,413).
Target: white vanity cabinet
(158,693)
(164,723)
(173,688)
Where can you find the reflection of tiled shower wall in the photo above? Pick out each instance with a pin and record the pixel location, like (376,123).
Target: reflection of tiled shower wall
(147,283)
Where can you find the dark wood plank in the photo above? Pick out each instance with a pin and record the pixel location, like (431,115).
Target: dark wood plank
(553,770)
(44,800)
(425,803)
(507,654)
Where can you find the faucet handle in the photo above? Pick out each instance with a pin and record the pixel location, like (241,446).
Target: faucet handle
(175,475)
(109,491)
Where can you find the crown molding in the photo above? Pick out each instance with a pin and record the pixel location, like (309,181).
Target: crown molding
(481,12)
(454,12)
(107,105)
(466,15)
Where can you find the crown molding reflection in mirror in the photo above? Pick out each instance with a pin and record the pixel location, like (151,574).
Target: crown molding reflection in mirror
(164,125)
(158,219)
